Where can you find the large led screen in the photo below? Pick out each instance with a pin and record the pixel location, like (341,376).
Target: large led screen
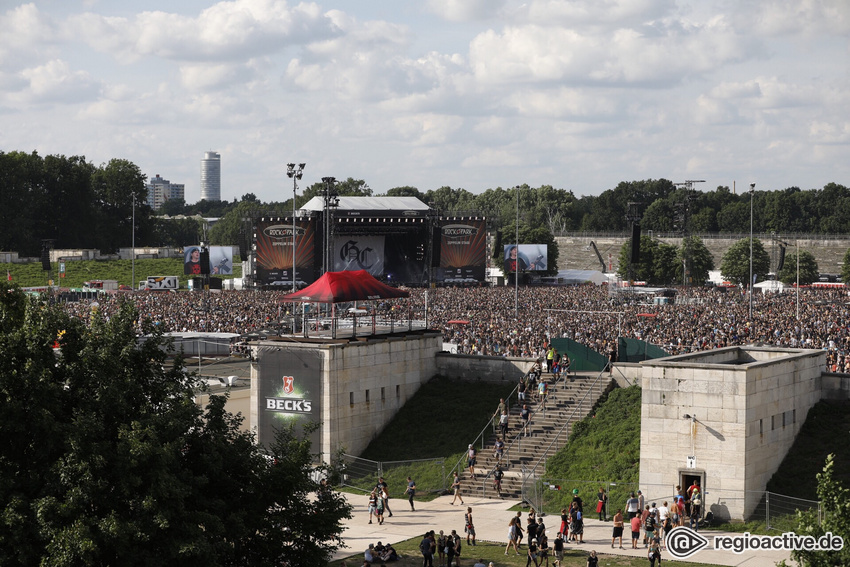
(528,257)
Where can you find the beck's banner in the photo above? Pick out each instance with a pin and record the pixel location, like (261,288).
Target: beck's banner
(359,253)
(273,258)
(463,251)
(290,392)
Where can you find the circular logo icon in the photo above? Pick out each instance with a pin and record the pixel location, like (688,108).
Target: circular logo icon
(683,542)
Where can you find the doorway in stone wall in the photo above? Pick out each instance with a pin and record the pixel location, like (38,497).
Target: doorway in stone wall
(688,478)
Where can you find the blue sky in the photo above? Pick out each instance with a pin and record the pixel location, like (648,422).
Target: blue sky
(476,94)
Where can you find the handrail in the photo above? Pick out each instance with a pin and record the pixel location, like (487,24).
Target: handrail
(489,424)
(569,418)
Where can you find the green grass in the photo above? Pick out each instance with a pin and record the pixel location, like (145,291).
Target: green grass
(409,550)
(604,448)
(822,433)
(77,272)
(439,421)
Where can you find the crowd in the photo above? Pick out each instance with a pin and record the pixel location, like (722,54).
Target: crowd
(482,320)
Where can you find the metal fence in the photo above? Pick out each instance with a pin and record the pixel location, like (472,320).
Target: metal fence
(551,495)
(362,474)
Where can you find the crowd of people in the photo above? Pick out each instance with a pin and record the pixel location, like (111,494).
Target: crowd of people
(484,321)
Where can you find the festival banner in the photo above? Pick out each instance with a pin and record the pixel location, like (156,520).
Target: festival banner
(273,253)
(463,251)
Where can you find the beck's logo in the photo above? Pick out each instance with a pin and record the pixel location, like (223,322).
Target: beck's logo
(288,384)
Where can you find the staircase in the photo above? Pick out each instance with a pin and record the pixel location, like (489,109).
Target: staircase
(546,434)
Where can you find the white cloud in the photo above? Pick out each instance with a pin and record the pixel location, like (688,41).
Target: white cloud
(466,10)
(55,81)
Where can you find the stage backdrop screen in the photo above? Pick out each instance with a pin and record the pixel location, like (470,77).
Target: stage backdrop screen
(463,250)
(358,252)
(221,260)
(531,258)
(290,392)
(273,255)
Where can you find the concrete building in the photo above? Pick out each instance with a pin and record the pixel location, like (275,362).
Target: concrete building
(161,190)
(211,177)
(725,418)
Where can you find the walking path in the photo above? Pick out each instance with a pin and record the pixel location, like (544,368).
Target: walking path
(491,524)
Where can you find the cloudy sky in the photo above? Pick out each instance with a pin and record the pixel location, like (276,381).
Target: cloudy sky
(476,94)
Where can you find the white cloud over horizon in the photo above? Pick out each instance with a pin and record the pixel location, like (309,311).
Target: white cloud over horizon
(476,94)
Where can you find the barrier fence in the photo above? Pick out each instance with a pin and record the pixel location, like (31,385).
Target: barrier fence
(362,474)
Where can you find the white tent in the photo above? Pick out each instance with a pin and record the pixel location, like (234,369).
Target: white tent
(769,286)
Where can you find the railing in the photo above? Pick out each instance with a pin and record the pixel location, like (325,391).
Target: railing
(362,474)
(492,425)
(529,474)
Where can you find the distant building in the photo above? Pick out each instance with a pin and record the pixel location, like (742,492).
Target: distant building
(161,190)
(211,177)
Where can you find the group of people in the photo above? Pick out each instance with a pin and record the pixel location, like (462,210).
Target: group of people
(447,548)
(699,319)
(380,553)
(539,549)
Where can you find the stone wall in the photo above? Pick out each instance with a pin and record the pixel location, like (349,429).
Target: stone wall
(575,252)
(366,383)
(482,368)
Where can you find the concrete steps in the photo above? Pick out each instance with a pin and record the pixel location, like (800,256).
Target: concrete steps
(568,401)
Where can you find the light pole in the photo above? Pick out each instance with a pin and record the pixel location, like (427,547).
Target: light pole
(295,175)
(133,245)
(752,190)
(516,263)
(331,198)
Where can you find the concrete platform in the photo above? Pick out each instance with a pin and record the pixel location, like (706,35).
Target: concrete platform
(491,524)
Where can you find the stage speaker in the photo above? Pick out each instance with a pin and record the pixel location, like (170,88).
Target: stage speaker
(781,262)
(205,261)
(45,258)
(635,243)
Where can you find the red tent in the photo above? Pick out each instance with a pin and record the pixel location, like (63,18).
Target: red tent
(338,287)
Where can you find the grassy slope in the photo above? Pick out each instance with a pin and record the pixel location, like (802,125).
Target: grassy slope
(825,431)
(31,275)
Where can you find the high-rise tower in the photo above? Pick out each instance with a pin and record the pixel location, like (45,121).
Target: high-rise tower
(211,176)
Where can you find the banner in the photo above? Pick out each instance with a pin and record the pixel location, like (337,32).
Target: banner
(529,257)
(463,251)
(221,260)
(273,256)
(359,253)
(289,391)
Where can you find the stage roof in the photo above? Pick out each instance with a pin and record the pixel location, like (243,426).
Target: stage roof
(384,204)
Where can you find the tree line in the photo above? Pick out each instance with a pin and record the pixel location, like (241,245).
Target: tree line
(81,205)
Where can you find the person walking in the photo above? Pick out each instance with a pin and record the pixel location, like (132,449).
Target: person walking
(470,527)
(384,494)
(525,416)
(456,488)
(411,492)
(513,536)
(373,505)
(471,454)
(497,480)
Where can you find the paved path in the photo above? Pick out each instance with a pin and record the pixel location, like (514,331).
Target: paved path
(491,524)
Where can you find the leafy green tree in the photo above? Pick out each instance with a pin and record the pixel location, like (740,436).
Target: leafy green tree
(406,191)
(835,512)
(115,185)
(809,271)
(735,264)
(656,264)
(106,458)
(172,207)
(447,199)
(698,258)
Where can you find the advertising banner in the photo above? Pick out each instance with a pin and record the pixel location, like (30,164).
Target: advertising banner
(359,253)
(529,257)
(273,259)
(290,392)
(463,251)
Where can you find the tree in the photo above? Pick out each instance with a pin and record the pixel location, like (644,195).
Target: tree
(654,266)
(835,501)
(406,191)
(808,269)
(698,259)
(107,460)
(735,264)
